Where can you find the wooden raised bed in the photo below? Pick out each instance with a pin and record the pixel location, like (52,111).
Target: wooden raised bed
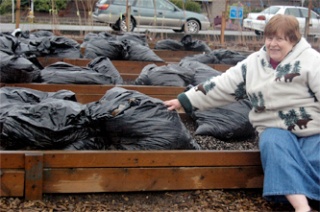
(123,66)
(166,55)
(91,93)
(30,174)
(33,173)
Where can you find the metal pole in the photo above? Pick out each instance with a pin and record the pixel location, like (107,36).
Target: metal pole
(128,16)
(13,11)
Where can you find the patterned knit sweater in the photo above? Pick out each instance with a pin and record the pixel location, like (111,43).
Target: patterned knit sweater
(286,97)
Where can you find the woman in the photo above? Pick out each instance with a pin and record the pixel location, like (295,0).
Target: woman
(282,81)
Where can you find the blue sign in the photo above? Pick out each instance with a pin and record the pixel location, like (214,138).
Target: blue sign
(236,12)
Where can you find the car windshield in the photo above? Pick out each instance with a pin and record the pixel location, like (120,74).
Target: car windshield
(271,10)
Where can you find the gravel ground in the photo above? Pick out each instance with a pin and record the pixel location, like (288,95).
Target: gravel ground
(199,200)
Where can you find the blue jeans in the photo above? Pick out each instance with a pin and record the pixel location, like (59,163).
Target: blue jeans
(291,164)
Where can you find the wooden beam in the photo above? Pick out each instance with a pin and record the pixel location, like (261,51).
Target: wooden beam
(174,158)
(11,182)
(18,11)
(79,180)
(33,177)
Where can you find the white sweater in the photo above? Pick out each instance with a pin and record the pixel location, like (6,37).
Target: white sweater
(287,97)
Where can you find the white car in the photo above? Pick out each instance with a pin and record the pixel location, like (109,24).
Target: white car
(257,21)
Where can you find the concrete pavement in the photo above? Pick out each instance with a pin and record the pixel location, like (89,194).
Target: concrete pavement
(9,27)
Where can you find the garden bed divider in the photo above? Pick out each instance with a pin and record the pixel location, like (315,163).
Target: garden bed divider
(30,174)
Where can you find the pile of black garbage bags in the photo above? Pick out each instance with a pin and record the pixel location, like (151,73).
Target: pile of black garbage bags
(19,53)
(121,120)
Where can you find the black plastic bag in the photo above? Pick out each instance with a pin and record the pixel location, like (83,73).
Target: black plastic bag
(226,123)
(219,56)
(93,143)
(139,38)
(64,73)
(169,44)
(50,124)
(8,43)
(49,46)
(17,69)
(98,47)
(15,100)
(166,75)
(134,121)
(139,52)
(104,65)
(186,44)
(202,72)
(194,45)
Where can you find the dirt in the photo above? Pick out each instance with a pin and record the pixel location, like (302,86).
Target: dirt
(198,200)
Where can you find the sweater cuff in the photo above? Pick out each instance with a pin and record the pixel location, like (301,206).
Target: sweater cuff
(185,103)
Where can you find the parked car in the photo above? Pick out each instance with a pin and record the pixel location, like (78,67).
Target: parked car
(257,21)
(163,14)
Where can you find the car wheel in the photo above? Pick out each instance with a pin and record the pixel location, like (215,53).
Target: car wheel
(258,32)
(178,30)
(123,25)
(192,27)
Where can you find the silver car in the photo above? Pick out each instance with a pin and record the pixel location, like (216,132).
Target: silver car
(163,14)
(257,21)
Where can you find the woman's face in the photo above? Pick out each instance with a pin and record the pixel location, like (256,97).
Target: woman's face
(278,47)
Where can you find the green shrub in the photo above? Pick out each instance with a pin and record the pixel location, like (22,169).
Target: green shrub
(39,5)
(189,5)
(46,5)
(5,7)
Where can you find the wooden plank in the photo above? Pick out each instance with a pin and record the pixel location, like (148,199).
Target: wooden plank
(84,99)
(11,160)
(45,61)
(172,158)
(34,171)
(92,93)
(123,66)
(174,56)
(134,67)
(220,67)
(11,182)
(150,179)
(167,55)
(129,77)
(98,89)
